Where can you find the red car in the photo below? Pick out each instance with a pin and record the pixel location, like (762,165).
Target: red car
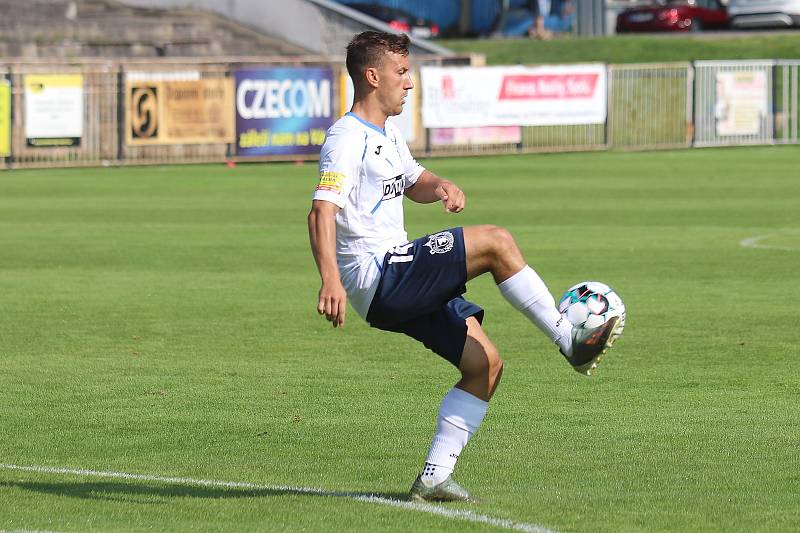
(674,15)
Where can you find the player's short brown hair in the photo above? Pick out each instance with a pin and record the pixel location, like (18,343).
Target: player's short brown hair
(367,49)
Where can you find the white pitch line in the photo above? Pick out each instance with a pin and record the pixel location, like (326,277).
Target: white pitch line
(753,242)
(25,531)
(455,514)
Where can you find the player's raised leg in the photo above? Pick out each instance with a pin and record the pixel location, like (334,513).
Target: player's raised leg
(460,414)
(493,249)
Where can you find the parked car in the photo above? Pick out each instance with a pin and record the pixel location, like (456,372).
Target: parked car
(764,13)
(674,15)
(400,20)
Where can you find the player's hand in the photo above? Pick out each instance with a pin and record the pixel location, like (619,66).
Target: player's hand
(452,197)
(332,303)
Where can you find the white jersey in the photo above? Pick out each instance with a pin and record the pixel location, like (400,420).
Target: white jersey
(364,170)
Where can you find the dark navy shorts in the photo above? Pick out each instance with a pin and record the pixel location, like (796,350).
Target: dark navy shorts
(420,290)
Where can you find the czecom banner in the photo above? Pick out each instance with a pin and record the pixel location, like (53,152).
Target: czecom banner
(283,111)
(455,97)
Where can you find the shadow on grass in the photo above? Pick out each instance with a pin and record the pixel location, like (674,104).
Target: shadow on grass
(150,493)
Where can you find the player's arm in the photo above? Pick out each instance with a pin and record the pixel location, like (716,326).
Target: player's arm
(322,233)
(431,188)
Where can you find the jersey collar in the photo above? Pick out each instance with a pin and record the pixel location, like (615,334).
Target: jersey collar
(367,124)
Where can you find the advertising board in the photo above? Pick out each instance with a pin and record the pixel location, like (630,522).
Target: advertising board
(283,110)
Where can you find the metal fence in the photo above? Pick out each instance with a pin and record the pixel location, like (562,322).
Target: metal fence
(787,102)
(99,142)
(721,122)
(770,120)
(649,106)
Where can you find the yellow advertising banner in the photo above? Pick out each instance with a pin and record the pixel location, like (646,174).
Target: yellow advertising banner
(5,118)
(36,82)
(179,112)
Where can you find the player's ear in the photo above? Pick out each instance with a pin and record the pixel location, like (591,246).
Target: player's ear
(372,76)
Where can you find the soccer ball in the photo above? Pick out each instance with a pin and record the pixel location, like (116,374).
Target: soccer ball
(589,304)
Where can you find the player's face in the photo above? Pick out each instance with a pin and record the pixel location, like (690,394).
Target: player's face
(395,82)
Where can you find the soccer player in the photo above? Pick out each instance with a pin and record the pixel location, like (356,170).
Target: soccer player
(415,287)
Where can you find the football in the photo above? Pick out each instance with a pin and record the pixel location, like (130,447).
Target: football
(589,304)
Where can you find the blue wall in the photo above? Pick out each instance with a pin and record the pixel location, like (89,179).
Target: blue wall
(445,13)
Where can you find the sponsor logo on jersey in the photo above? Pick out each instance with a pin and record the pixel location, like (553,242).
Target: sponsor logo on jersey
(440,243)
(330,181)
(393,187)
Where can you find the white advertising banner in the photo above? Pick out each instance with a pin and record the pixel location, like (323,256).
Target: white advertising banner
(53,109)
(457,97)
(741,102)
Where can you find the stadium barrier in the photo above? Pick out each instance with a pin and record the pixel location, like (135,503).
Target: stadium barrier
(650,106)
(787,102)
(92,112)
(746,102)
(722,119)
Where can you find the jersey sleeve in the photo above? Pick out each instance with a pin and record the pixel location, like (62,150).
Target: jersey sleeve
(339,166)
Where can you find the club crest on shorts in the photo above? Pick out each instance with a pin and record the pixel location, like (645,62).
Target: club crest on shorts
(440,243)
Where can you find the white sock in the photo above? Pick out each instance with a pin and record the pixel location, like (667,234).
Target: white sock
(526,291)
(459,417)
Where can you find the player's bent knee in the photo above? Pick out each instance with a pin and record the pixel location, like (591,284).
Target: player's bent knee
(483,364)
(491,240)
(503,240)
(495,370)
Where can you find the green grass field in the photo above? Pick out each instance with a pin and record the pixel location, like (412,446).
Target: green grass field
(161,321)
(628,48)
